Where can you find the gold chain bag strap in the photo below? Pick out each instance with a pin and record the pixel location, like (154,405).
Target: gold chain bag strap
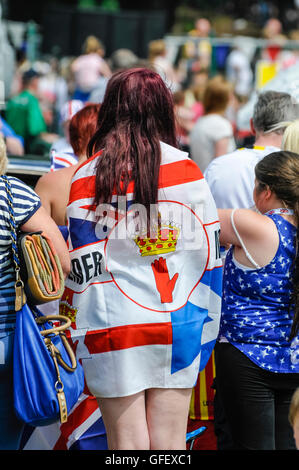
(57,357)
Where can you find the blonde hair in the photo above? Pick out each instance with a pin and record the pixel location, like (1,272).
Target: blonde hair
(92,44)
(217,94)
(3,157)
(294,407)
(156,48)
(290,138)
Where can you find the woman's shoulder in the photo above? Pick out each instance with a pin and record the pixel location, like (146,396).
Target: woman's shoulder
(253,224)
(221,120)
(54,180)
(212,123)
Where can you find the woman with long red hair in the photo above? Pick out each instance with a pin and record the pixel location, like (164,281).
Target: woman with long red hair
(140,299)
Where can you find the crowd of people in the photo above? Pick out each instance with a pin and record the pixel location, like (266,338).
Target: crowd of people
(161,136)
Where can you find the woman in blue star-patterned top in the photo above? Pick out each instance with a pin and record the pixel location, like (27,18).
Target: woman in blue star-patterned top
(257,352)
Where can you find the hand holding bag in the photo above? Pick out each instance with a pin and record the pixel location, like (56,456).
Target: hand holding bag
(47,378)
(40,268)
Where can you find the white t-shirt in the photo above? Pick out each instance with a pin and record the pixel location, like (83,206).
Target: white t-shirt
(239,72)
(87,69)
(231,177)
(164,68)
(61,145)
(207,131)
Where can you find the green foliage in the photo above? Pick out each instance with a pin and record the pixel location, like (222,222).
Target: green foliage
(87,3)
(110,5)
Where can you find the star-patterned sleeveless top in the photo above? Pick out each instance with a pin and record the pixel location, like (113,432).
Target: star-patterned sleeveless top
(256,312)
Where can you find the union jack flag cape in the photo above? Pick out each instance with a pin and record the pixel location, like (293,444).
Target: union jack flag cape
(145,308)
(84,430)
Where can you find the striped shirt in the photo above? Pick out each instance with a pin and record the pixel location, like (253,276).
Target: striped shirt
(25,203)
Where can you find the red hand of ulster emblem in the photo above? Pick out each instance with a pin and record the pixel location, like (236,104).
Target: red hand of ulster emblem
(164,284)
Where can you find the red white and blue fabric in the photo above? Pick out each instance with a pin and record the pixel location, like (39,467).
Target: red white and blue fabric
(62,159)
(128,337)
(69,109)
(84,430)
(62,154)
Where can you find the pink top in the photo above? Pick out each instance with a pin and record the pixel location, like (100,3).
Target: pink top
(87,69)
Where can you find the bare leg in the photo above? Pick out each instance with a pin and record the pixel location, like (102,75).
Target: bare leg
(125,422)
(167,413)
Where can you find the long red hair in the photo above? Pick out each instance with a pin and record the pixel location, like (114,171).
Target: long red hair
(136,114)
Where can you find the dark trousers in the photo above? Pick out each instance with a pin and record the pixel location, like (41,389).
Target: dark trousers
(11,427)
(255,401)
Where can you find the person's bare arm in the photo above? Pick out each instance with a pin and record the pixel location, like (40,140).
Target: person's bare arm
(14,146)
(105,70)
(221,146)
(41,221)
(44,190)
(53,189)
(257,232)
(250,225)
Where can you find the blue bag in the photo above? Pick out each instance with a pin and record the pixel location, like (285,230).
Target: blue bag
(47,378)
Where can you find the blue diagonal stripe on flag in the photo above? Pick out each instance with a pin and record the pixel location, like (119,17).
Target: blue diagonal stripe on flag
(213,279)
(82,232)
(187,322)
